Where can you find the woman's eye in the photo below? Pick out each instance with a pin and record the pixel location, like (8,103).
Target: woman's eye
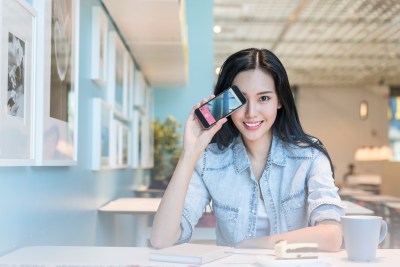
(264,98)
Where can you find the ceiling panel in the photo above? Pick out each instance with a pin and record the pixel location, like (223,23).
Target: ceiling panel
(319,41)
(155,33)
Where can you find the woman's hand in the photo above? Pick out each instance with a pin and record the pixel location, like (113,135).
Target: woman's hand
(196,138)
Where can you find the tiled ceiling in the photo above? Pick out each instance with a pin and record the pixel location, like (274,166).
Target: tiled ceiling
(320,42)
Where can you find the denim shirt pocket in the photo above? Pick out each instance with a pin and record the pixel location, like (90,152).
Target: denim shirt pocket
(295,210)
(227,217)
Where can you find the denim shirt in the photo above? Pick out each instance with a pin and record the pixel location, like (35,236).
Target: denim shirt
(297,187)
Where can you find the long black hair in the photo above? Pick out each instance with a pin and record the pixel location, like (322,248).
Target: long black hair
(287,124)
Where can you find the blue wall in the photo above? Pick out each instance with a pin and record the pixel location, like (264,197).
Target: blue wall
(178,102)
(58,205)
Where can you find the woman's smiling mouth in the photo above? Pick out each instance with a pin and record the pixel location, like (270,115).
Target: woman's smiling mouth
(252,125)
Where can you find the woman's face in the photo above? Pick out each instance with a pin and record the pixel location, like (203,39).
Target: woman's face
(254,120)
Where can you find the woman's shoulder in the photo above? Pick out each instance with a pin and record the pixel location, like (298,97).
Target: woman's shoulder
(216,151)
(215,148)
(216,156)
(300,149)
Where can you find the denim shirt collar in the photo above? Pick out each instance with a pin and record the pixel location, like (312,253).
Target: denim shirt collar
(241,159)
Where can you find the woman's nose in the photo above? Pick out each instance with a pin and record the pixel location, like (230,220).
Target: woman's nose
(250,109)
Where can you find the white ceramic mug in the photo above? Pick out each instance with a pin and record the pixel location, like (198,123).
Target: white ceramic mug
(362,235)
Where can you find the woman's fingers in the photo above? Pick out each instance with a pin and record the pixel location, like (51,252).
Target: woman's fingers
(214,129)
(203,101)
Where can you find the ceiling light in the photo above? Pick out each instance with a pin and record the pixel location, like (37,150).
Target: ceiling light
(363,110)
(371,153)
(217,29)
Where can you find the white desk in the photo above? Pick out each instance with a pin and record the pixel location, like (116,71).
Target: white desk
(143,207)
(393,205)
(144,191)
(348,192)
(354,209)
(132,206)
(377,199)
(378,203)
(150,205)
(133,256)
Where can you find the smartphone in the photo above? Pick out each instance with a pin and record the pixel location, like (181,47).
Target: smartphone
(220,106)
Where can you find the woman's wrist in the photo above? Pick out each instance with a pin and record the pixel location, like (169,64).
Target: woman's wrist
(190,155)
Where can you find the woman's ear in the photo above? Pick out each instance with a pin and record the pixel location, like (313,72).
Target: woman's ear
(279,104)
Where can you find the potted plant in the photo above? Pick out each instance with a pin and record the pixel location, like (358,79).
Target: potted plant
(167,148)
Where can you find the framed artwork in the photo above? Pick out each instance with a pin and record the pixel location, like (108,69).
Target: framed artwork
(99,45)
(137,120)
(125,146)
(135,126)
(58,101)
(138,98)
(122,143)
(147,159)
(102,134)
(131,89)
(128,84)
(17,78)
(118,71)
(141,126)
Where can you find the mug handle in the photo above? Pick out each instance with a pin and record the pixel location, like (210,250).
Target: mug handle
(383,233)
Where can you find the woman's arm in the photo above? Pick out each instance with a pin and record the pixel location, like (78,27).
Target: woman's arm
(327,234)
(166,225)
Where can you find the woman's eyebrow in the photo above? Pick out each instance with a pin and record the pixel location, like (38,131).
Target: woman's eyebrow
(263,92)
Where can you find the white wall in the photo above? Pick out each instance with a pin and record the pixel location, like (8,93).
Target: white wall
(331,114)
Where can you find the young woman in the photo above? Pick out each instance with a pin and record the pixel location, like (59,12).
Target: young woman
(266,179)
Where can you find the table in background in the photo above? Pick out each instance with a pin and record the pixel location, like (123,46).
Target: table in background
(144,207)
(347,193)
(367,182)
(354,209)
(145,191)
(394,223)
(377,203)
(150,205)
(124,256)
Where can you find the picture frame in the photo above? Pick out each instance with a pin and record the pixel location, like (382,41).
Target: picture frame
(136,139)
(117,91)
(58,57)
(142,131)
(122,145)
(99,46)
(147,158)
(138,120)
(126,137)
(128,84)
(131,89)
(102,135)
(18,22)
